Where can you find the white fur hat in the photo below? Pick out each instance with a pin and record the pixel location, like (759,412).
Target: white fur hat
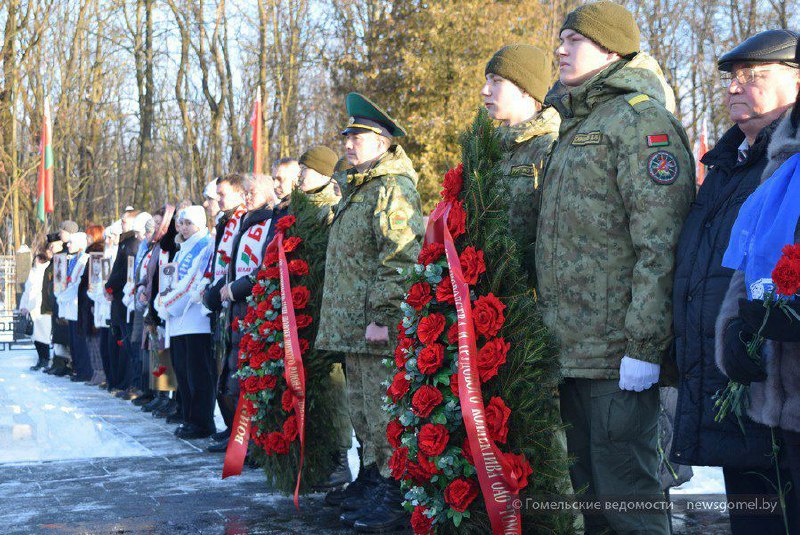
(196,214)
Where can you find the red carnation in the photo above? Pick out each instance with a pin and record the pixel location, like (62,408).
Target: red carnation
(430,328)
(430,359)
(425,400)
(267,382)
(423,470)
(277,444)
(430,253)
(264,307)
(303,320)
(398,462)
(235,325)
(251,316)
(303,343)
(497,414)
(394,431)
(272,272)
(432,439)
(518,468)
(444,290)
(300,295)
(287,400)
(285,222)
(460,493)
(491,356)
(275,352)
(421,524)
(487,313)
(466,451)
(457,220)
(399,386)
(452,334)
(401,352)
(270,259)
(472,264)
(251,385)
(291,243)
(257,359)
(453,182)
(258,290)
(290,430)
(786,274)
(298,267)
(119,343)
(454,384)
(158,372)
(419,295)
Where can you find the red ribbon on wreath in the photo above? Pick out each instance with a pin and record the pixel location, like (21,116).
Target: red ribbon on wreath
(497,484)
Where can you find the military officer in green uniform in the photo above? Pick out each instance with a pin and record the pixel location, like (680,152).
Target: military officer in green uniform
(517,79)
(376,234)
(617,188)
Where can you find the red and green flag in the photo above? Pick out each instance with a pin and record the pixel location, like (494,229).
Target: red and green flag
(44,184)
(255,123)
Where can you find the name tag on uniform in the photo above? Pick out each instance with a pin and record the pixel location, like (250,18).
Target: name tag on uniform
(358,197)
(587,138)
(523,170)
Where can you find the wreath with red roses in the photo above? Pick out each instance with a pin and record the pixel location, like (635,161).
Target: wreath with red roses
(516,363)
(268,400)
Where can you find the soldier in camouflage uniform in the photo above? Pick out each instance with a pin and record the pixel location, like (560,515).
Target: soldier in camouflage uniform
(517,78)
(616,191)
(376,234)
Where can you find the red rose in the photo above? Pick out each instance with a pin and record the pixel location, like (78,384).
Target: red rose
(394,431)
(251,384)
(298,267)
(399,386)
(487,314)
(398,462)
(430,328)
(786,274)
(300,295)
(430,359)
(290,430)
(452,334)
(302,320)
(497,414)
(491,356)
(518,468)
(291,243)
(419,295)
(444,290)
(287,400)
(401,352)
(472,264)
(285,222)
(430,253)
(421,524)
(454,384)
(267,382)
(422,471)
(453,182)
(425,400)
(460,493)
(277,444)
(432,439)
(457,220)
(275,352)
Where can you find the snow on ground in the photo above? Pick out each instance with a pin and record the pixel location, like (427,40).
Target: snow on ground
(706,480)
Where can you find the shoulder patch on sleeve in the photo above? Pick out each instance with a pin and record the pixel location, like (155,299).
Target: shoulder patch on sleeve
(398,219)
(663,168)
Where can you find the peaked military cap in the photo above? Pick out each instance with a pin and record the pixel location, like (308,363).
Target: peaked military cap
(366,116)
(771,46)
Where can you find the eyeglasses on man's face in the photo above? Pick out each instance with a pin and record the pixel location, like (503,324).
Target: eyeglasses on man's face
(749,75)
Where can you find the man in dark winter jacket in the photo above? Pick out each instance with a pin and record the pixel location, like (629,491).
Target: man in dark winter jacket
(247,252)
(762,84)
(121,326)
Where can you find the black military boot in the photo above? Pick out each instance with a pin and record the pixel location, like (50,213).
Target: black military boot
(388,514)
(160,400)
(361,506)
(357,492)
(60,368)
(340,475)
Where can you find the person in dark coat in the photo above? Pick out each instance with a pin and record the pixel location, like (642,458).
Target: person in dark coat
(121,326)
(86,313)
(60,364)
(757,98)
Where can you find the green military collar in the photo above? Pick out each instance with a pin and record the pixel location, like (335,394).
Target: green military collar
(544,122)
(393,162)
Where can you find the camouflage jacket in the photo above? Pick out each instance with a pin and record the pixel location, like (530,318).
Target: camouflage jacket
(616,190)
(376,234)
(325,198)
(525,149)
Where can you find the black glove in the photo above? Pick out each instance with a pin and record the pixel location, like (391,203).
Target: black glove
(780,326)
(738,364)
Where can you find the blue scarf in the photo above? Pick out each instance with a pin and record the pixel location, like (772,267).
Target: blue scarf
(766,222)
(186,263)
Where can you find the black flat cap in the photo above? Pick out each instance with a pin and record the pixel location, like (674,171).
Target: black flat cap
(770,46)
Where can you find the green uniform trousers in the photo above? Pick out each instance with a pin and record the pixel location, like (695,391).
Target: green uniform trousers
(341,416)
(612,436)
(365,373)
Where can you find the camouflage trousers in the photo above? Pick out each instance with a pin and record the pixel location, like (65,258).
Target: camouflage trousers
(341,417)
(365,373)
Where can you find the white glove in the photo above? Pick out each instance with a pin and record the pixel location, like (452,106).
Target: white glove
(637,375)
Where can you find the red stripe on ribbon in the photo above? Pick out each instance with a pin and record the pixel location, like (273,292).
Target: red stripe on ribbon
(292,359)
(237,444)
(499,496)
